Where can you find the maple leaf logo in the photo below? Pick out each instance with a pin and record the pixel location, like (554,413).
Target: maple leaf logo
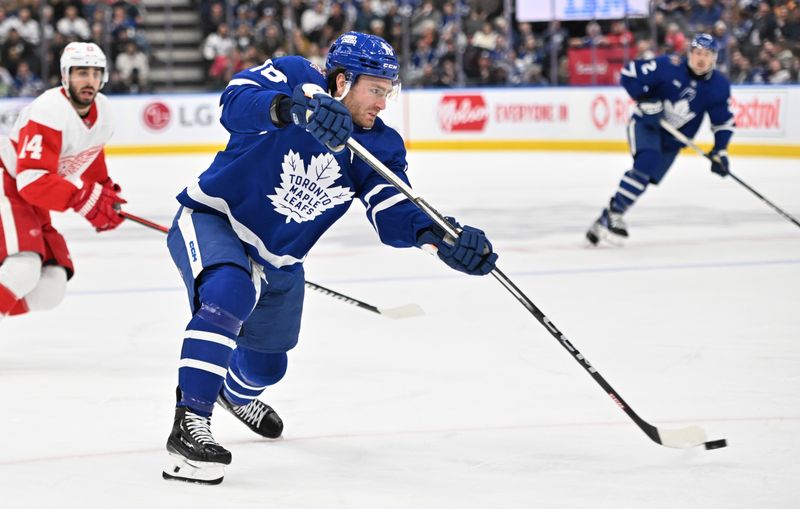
(305,193)
(678,113)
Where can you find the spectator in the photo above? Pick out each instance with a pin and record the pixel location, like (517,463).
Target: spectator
(780,28)
(425,17)
(485,38)
(488,73)
(703,15)
(447,76)
(98,34)
(272,42)
(776,74)
(15,50)
(28,27)
(593,37)
(215,18)
(6,23)
(723,39)
(26,82)
(644,50)
(674,11)
(134,68)
(619,35)
(116,85)
(120,22)
(312,21)
(674,40)
(72,25)
(264,24)
(217,50)
(244,36)
(741,69)
(337,19)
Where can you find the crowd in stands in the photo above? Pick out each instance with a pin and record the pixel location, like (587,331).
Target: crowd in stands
(441,43)
(33,34)
(759,40)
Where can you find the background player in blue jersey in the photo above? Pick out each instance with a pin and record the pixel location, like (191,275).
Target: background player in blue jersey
(245,227)
(681,91)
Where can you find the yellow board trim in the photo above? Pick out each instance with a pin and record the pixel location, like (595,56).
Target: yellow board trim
(143,150)
(738,149)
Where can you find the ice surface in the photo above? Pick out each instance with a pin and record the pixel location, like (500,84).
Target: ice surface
(473,405)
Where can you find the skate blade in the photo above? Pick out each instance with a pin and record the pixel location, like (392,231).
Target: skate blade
(179,468)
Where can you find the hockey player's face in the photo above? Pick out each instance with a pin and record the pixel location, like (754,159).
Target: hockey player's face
(367,98)
(701,60)
(84,83)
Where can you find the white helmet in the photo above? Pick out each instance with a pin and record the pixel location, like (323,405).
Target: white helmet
(82,54)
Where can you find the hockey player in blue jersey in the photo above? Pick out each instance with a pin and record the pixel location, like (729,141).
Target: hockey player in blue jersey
(245,227)
(681,92)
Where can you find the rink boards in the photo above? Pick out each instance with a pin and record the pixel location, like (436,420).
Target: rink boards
(541,118)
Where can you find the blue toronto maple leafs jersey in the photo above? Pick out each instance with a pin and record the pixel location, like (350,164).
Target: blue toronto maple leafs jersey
(686,98)
(280,189)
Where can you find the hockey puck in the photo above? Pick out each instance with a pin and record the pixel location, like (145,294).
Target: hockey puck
(716,444)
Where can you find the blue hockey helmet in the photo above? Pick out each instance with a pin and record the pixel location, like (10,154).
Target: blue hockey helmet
(705,41)
(366,54)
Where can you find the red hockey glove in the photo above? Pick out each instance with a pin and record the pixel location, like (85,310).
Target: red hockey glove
(98,203)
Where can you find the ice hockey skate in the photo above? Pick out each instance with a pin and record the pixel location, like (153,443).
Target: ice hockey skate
(256,415)
(194,455)
(609,227)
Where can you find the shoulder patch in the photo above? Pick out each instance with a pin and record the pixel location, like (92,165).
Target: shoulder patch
(317,68)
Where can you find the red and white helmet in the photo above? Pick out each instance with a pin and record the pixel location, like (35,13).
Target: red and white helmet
(82,54)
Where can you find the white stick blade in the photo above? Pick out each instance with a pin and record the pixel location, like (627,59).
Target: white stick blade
(407,311)
(683,438)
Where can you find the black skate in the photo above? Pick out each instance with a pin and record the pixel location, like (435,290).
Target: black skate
(609,227)
(257,415)
(194,455)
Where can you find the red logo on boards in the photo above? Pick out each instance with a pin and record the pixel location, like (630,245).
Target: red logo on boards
(601,113)
(463,113)
(156,116)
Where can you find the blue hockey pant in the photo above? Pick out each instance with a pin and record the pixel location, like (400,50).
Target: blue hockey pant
(244,317)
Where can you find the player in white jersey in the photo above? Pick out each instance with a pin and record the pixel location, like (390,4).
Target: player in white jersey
(53,160)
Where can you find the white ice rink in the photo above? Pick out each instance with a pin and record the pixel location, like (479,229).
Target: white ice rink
(474,405)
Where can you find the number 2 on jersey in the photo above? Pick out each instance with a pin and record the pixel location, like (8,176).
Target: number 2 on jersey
(32,145)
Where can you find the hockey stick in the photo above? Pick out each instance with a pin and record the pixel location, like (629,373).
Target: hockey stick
(406,311)
(682,438)
(689,143)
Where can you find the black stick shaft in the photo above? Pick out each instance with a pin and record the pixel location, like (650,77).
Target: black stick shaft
(314,286)
(689,143)
(650,430)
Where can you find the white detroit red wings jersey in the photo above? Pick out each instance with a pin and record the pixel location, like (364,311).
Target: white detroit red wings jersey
(51,151)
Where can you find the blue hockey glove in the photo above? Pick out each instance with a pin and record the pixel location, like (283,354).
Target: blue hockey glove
(649,112)
(721,168)
(470,253)
(328,120)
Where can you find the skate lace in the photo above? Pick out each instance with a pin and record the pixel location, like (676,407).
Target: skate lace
(200,429)
(252,412)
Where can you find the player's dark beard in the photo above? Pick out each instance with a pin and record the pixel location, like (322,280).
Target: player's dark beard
(75,97)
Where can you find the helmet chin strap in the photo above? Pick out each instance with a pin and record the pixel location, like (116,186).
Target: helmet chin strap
(347,85)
